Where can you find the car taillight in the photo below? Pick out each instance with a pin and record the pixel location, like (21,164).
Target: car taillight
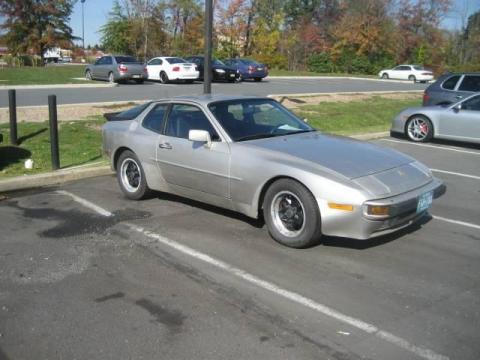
(251,68)
(176,68)
(145,69)
(425,98)
(122,68)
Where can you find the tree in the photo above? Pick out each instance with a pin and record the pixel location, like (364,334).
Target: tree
(35,25)
(116,33)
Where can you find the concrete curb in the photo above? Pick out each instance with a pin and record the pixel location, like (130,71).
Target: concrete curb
(52,178)
(63,176)
(56,86)
(379,92)
(344,77)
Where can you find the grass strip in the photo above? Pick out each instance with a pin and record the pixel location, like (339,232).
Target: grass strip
(54,74)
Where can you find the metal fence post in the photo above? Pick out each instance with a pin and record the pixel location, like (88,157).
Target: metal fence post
(12,109)
(52,114)
(207,69)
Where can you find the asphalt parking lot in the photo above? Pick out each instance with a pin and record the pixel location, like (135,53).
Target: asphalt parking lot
(87,274)
(155,90)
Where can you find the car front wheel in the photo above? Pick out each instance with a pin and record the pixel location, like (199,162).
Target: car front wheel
(291,214)
(419,128)
(412,78)
(88,75)
(384,76)
(111,78)
(131,177)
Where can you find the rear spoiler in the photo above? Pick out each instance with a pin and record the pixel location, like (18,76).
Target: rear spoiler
(112,116)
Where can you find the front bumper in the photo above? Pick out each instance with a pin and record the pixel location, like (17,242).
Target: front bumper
(357,225)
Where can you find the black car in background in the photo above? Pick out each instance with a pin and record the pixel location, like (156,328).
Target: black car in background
(220,71)
(248,69)
(450,88)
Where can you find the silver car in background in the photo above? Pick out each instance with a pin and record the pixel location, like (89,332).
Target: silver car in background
(459,121)
(253,156)
(117,68)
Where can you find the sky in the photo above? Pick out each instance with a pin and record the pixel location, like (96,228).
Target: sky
(96,14)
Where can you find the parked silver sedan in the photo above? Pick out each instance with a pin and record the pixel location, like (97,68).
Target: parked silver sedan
(460,121)
(253,156)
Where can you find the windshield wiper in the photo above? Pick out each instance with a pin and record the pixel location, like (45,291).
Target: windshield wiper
(299,132)
(255,136)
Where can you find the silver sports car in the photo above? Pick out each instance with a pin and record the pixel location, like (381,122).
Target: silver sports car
(460,121)
(253,156)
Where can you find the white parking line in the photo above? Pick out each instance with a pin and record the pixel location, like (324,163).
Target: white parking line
(432,146)
(462,223)
(457,174)
(266,285)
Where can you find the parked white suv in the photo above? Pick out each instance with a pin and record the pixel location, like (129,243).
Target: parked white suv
(407,72)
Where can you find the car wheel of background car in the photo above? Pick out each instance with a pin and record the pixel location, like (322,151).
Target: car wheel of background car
(384,76)
(291,214)
(139,81)
(131,177)
(163,77)
(88,75)
(258,79)
(188,81)
(412,78)
(111,78)
(419,128)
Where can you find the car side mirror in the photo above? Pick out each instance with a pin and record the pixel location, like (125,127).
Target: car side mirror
(200,136)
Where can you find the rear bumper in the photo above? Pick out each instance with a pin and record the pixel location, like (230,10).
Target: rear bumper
(357,225)
(184,76)
(130,76)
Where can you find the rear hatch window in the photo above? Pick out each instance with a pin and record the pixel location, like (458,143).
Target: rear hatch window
(126,59)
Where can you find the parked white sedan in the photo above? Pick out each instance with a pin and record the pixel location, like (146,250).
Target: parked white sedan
(168,69)
(407,72)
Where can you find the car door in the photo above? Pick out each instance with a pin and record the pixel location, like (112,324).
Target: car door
(97,66)
(462,123)
(395,73)
(193,165)
(154,67)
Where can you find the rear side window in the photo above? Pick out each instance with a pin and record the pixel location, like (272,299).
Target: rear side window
(155,118)
(450,83)
(472,104)
(132,113)
(174,60)
(470,83)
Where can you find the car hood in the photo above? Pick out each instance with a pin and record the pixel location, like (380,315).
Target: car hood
(345,156)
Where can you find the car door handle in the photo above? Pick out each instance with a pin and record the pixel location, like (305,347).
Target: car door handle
(165,146)
(458,97)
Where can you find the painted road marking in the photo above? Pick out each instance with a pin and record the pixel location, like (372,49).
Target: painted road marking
(266,285)
(457,174)
(432,146)
(462,223)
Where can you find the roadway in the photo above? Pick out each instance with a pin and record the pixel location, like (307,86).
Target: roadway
(87,274)
(155,90)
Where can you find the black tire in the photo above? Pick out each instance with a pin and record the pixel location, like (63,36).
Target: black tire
(412,78)
(164,78)
(384,76)
(419,128)
(88,75)
(139,81)
(257,79)
(131,177)
(188,81)
(290,231)
(111,78)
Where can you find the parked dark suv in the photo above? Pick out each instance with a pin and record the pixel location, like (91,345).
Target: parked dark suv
(451,88)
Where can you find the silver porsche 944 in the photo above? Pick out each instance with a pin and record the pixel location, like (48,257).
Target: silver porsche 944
(253,156)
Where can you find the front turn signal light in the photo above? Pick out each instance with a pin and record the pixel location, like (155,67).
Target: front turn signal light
(343,207)
(378,210)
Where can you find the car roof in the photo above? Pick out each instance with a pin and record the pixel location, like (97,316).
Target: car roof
(210,98)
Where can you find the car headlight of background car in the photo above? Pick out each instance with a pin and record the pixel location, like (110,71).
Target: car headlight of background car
(220,71)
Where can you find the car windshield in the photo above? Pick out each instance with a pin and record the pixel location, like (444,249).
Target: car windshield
(249,119)
(248,62)
(125,59)
(175,60)
(217,62)
(418,67)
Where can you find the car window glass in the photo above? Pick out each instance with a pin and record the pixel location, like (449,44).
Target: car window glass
(183,118)
(108,61)
(472,104)
(125,59)
(397,68)
(470,83)
(450,83)
(154,62)
(133,112)
(155,118)
(175,60)
(418,67)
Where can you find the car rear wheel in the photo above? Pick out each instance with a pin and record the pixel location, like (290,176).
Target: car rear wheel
(88,75)
(419,128)
(131,177)
(164,77)
(384,76)
(412,78)
(111,78)
(291,214)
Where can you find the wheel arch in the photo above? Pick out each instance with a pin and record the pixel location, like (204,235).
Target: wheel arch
(117,154)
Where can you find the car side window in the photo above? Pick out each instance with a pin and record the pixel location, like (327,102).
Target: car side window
(183,118)
(397,68)
(155,118)
(451,82)
(108,60)
(101,61)
(155,62)
(470,83)
(472,104)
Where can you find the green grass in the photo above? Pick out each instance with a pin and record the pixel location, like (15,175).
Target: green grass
(277,72)
(354,117)
(80,143)
(61,74)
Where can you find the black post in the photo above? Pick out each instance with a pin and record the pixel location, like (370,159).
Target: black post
(12,109)
(207,71)
(52,113)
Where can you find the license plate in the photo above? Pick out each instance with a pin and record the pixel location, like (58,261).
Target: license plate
(136,76)
(424,201)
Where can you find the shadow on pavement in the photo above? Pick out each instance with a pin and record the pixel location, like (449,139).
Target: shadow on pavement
(31,135)
(11,154)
